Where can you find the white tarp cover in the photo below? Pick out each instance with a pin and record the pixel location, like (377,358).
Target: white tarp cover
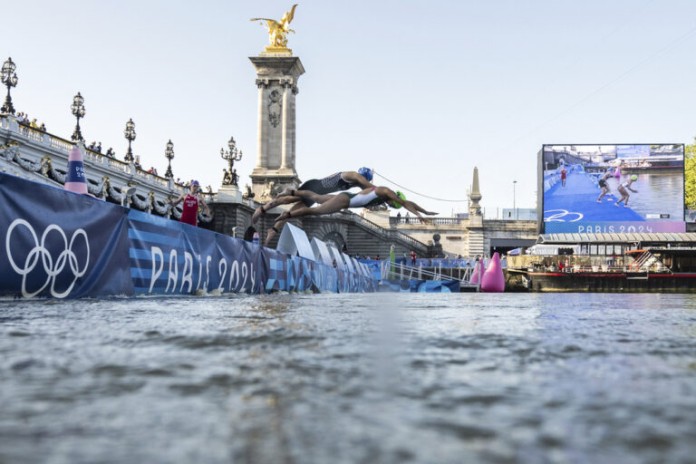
(348,261)
(321,252)
(294,241)
(337,256)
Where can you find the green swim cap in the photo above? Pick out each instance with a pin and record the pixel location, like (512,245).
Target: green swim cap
(396,205)
(634,177)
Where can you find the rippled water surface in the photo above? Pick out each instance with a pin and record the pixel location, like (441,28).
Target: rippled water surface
(386,378)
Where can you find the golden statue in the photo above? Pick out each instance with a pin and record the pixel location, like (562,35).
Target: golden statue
(278,30)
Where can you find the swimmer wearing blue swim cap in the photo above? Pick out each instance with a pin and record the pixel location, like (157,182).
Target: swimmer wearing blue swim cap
(366,173)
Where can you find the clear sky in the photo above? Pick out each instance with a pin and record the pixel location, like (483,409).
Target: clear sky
(421,91)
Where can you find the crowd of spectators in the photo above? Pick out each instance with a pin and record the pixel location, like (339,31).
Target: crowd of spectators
(96,147)
(25,120)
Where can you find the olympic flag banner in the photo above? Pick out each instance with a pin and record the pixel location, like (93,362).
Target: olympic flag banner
(60,244)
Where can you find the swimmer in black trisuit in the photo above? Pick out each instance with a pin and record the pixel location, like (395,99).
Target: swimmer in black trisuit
(604,185)
(368,197)
(333,183)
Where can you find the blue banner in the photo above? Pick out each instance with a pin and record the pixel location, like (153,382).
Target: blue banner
(60,244)
(169,257)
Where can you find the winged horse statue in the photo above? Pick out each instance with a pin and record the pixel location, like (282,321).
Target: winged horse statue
(278,30)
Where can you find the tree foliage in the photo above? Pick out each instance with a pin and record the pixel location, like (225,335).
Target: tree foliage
(690,176)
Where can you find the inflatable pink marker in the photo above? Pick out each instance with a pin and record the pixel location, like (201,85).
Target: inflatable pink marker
(493,280)
(75,180)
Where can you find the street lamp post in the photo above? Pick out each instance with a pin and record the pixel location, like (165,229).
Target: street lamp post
(129,133)
(9,79)
(234,154)
(514,205)
(78,110)
(169,154)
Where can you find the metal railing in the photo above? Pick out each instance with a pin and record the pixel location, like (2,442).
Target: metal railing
(402,271)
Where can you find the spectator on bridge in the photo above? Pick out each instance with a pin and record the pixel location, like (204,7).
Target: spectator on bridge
(413,258)
(339,181)
(328,204)
(192,201)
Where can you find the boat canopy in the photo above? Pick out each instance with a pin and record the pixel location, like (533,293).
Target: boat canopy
(541,249)
(662,237)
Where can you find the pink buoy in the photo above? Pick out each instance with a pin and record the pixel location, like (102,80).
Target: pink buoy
(493,280)
(75,180)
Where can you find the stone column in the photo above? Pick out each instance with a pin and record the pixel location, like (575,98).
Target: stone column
(275,169)
(287,84)
(260,162)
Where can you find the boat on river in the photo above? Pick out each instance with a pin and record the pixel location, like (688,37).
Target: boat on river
(622,263)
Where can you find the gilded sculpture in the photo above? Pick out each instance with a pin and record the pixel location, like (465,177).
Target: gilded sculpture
(278,30)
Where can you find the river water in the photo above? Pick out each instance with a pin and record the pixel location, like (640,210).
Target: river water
(383,378)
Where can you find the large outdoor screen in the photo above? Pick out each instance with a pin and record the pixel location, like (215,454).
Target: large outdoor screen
(612,188)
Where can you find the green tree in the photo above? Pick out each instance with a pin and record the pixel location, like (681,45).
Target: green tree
(690,176)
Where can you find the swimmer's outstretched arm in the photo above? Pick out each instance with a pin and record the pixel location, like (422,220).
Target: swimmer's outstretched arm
(409,205)
(415,206)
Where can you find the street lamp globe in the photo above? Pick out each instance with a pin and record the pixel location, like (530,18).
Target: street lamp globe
(129,134)
(233,154)
(8,76)
(78,110)
(169,154)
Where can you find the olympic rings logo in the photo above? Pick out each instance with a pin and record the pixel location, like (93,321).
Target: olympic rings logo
(561,215)
(40,253)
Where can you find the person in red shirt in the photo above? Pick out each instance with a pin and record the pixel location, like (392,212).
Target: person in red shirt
(192,201)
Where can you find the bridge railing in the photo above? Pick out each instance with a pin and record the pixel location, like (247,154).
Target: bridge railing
(402,271)
(57,145)
(446,221)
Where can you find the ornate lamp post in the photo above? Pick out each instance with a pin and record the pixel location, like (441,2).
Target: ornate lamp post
(169,154)
(129,133)
(234,154)
(9,79)
(78,110)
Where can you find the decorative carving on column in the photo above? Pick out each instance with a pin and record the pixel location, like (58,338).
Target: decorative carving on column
(275,107)
(263,83)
